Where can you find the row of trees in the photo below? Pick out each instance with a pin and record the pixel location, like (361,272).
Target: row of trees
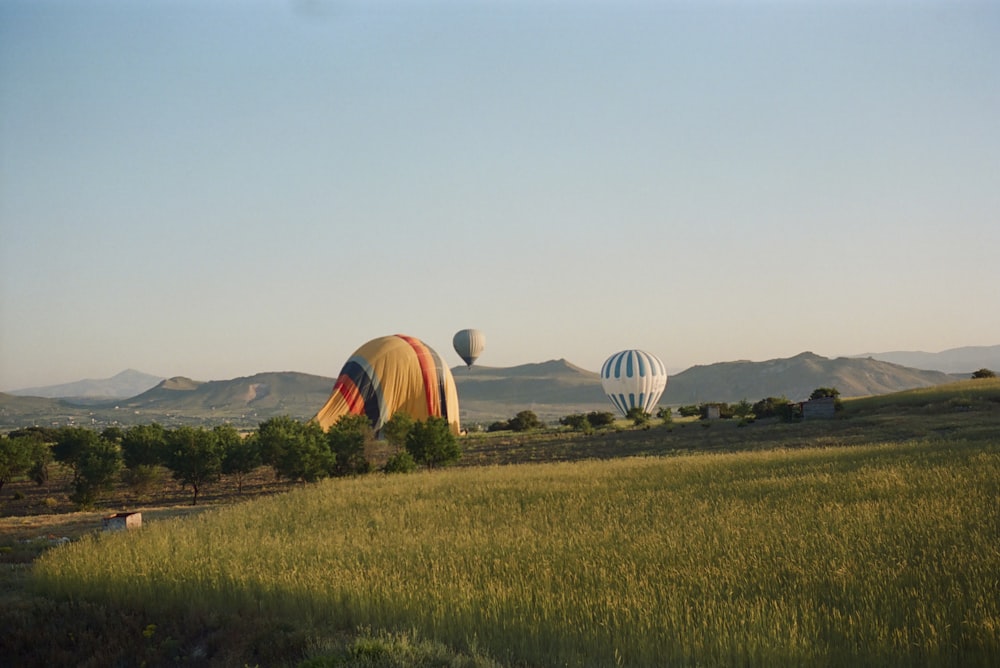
(199,456)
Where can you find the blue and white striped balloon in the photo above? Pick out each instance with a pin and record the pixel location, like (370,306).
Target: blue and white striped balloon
(633,378)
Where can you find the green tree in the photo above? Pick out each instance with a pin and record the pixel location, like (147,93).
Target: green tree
(665,414)
(296,450)
(16,455)
(240,457)
(43,438)
(525,421)
(432,444)
(347,439)
(396,428)
(98,467)
(401,462)
(742,409)
(689,411)
(598,419)
(824,392)
(144,445)
(638,416)
(71,444)
(144,452)
(984,373)
(577,422)
(194,457)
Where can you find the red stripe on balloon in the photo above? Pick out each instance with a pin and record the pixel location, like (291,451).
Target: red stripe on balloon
(428,371)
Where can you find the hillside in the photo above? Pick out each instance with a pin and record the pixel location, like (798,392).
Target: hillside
(126,384)
(261,396)
(794,378)
(963,360)
(551,389)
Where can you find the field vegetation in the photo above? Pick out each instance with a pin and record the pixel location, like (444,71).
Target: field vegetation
(869,539)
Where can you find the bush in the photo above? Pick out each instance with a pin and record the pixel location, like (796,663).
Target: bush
(577,422)
(598,419)
(638,416)
(347,439)
(525,421)
(983,373)
(431,443)
(401,462)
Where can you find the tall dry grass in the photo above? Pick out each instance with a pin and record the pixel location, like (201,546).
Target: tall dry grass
(875,555)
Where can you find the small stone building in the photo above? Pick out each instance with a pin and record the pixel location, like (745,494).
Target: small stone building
(824,407)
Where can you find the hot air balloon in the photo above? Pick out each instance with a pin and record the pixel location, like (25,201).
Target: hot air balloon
(390,374)
(469,344)
(633,378)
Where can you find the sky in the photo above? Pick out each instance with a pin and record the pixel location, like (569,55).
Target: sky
(214,188)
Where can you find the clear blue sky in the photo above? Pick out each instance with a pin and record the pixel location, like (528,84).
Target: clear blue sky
(213,189)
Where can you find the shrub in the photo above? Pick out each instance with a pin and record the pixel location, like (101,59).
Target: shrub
(598,419)
(577,422)
(401,462)
(431,443)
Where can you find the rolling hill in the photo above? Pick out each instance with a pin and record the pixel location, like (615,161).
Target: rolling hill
(963,360)
(126,384)
(551,389)
(795,378)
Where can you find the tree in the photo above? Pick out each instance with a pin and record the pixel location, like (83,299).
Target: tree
(71,445)
(577,422)
(665,414)
(984,373)
(144,445)
(431,443)
(401,462)
(194,457)
(742,409)
(689,411)
(42,439)
(16,455)
(598,419)
(98,466)
(396,428)
(297,451)
(347,438)
(240,457)
(144,451)
(825,392)
(638,416)
(525,421)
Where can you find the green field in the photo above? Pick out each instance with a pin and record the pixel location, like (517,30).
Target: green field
(770,544)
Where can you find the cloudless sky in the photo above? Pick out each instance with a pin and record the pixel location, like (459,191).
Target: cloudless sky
(218,188)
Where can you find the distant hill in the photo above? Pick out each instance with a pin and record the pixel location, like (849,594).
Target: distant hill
(262,395)
(551,389)
(126,384)
(795,378)
(955,360)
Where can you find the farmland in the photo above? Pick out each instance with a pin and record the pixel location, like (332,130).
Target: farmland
(865,540)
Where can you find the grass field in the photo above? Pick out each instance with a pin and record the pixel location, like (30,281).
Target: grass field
(866,540)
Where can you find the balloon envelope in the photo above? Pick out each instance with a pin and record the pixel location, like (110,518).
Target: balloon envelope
(633,378)
(469,344)
(390,374)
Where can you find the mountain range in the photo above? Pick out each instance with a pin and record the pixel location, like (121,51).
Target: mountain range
(551,389)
